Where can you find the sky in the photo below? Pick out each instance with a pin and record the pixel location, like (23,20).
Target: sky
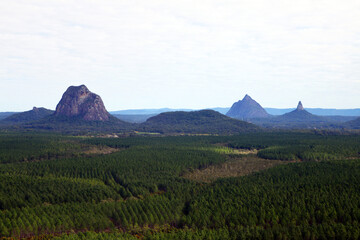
(194,54)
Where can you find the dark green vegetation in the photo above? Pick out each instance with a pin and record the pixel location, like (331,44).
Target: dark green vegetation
(198,122)
(75,125)
(51,189)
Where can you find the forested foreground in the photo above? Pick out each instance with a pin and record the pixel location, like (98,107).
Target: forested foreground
(51,189)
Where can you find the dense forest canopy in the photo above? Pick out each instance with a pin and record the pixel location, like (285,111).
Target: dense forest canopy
(74,187)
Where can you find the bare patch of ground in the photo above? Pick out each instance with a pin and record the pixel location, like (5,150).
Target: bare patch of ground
(100,150)
(240,166)
(245,151)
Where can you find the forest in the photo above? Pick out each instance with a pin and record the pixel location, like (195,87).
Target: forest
(55,186)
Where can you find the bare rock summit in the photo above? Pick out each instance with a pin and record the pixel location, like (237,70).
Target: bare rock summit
(300,106)
(78,101)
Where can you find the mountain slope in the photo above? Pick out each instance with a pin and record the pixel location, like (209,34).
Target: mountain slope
(247,108)
(297,119)
(134,118)
(201,122)
(4,115)
(354,124)
(28,116)
(318,111)
(300,115)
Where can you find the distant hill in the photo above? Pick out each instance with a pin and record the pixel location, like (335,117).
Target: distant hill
(271,111)
(134,118)
(300,119)
(221,110)
(247,108)
(196,122)
(4,115)
(318,111)
(28,116)
(300,115)
(354,124)
(156,111)
(147,111)
(141,115)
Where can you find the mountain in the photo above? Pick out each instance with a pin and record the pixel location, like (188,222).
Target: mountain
(300,115)
(141,115)
(221,110)
(354,124)
(247,108)
(318,111)
(298,119)
(196,122)
(78,112)
(79,102)
(156,111)
(4,115)
(271,111)
(29,116)
(134,118)
(147,111)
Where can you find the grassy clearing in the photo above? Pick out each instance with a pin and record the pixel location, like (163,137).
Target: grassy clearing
(236,166)
(100,150)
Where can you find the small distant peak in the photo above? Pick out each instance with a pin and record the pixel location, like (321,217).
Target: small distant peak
(247,97)
(300,106)
(35,109)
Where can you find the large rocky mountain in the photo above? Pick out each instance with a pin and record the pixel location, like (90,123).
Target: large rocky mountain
(247,108)
(78,112)
(196,122)
(78,101)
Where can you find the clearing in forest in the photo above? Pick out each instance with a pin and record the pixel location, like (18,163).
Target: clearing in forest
(241,165)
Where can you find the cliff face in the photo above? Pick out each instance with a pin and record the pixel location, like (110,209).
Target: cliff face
(78,101)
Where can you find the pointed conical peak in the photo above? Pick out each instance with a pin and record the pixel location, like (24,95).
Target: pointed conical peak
(247,98)
(300,106)
(246,108)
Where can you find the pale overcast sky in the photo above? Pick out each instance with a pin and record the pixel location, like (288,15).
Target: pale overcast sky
(181,53)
